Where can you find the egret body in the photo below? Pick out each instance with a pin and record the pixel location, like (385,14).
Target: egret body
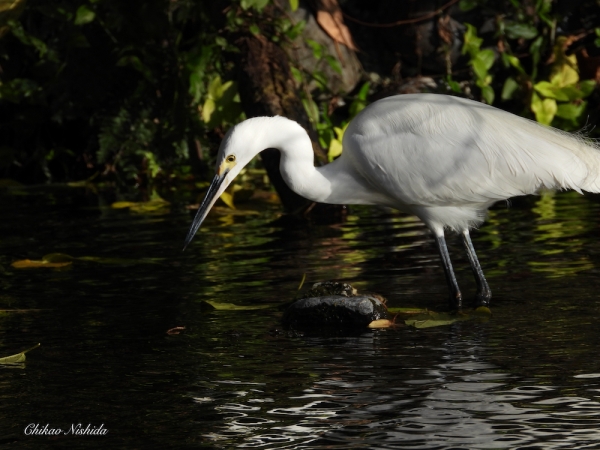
(444,159)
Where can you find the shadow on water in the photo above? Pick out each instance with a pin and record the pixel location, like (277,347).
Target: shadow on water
(529,378)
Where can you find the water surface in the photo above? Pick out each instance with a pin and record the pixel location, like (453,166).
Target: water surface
(529,378)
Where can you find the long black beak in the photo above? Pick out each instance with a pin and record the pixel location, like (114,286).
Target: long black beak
(207,203)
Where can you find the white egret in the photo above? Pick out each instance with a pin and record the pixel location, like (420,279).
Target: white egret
(444,159)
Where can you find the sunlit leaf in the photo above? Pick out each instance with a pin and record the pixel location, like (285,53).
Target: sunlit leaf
(18,358)
(472,42)
(513,61)
(544,110)
(152,206)
(227,198)
(564,75)
(551,90)
(294,4)
(208,109)
(32,264)
(381,323)
(487,57)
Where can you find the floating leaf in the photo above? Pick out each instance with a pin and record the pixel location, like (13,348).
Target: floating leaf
(18,358)
(232,307)
(32,264)
(407,310)
(434,319)
(151,206)
(424,318)
(381,323)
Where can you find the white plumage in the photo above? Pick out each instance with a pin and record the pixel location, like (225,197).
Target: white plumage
(444,159)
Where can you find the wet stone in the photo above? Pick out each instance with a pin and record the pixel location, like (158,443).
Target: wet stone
(340,308)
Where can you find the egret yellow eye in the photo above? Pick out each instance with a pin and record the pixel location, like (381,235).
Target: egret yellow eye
(230,158)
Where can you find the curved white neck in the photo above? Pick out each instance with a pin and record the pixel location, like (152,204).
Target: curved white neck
(336,183)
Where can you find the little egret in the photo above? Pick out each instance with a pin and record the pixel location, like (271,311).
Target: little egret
(444,159)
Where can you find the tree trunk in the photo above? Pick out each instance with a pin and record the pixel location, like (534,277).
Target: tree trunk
(267,89)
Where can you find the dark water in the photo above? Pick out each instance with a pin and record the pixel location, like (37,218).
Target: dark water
(529,378)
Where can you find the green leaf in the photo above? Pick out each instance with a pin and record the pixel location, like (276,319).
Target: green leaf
(488,94)
(18,358)
(510,60)
(564,75)
(487,57)
(520,30)
(334,64)
(259,5)
(84,15)
(214,88)
(316,48)
(228,92)
(254,29)
(295,31)
(467,5)
(428,319)
(479,68)
(364,91)
(320,78)
(137,64)
(297,74)
(294,4)
(509,88)
(544,110)
(311,109)
(587,87)
(550,90)
(570,111)
(208,109)
(233,307)
(535,49)
(471,41)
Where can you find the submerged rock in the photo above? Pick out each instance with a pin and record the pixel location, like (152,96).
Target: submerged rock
(332,305)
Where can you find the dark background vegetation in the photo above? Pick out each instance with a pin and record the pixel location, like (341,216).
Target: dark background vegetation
(141,92)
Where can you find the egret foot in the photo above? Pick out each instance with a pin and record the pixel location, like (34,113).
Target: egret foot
(483,298)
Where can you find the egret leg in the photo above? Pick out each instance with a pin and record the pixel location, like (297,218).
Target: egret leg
(484,294)
(455,295)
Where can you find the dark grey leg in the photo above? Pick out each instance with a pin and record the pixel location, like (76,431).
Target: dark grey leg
(484,294)
(455,295)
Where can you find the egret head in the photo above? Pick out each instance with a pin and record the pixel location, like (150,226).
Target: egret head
(237,149)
